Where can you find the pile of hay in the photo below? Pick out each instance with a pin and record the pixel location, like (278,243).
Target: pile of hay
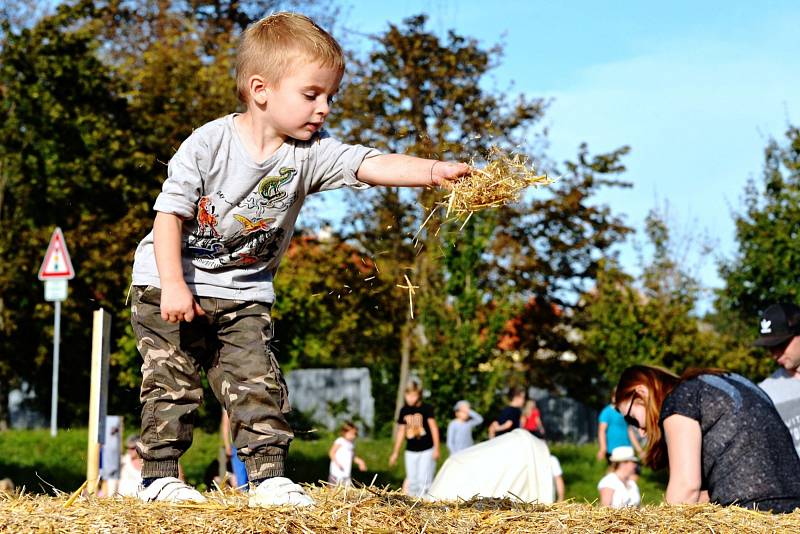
(373,510)
(500,182)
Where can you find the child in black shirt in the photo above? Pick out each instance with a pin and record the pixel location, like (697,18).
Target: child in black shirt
(417,425)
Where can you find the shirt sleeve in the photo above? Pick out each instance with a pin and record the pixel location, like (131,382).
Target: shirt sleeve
(336,164)
(684,400)
(185,175)
(555,466)
(429,414)
(604,415)
(606,482)
(475,418)
(401,416)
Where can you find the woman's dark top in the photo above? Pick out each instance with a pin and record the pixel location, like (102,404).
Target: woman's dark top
(748,457)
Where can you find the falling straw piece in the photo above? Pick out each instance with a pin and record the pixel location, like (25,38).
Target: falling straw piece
(411,292)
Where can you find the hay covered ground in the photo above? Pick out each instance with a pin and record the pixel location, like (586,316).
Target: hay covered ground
(373,510)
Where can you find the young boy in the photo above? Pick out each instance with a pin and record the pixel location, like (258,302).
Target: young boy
(459,431)
(202,278)
(343,454)
(417,426)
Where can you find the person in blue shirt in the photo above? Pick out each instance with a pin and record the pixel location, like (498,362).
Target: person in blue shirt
(613,432)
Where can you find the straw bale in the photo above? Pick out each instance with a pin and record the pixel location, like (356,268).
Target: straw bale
(373,510)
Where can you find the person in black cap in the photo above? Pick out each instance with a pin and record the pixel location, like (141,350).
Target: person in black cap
(780,333)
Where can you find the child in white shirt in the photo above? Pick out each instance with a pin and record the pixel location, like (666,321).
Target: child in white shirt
(343,454)
(618,488)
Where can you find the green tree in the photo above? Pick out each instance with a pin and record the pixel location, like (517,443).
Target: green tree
(66,160)
(548,252)
(651,319)
(95,99)
(419,94)
(764,267)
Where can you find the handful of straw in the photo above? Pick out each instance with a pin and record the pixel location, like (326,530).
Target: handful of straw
(500,182)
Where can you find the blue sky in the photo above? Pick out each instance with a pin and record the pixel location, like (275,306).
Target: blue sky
(695,88)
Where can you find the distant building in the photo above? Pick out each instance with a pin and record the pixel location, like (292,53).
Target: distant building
(330,396)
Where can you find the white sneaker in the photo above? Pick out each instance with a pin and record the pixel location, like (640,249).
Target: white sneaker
(279,491)
(169,489)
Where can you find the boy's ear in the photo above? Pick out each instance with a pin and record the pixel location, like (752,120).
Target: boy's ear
(258,89)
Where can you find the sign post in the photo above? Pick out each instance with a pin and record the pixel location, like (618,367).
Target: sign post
(56,269)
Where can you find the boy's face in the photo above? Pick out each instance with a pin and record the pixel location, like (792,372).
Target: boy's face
(298,105)
(463,412)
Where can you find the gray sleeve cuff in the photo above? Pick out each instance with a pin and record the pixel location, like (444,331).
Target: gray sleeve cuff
(349,178)
(177,205)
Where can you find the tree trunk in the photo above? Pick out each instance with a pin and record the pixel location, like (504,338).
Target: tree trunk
(405,358)
(4,414)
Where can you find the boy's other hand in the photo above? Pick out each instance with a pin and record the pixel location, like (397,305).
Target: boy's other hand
(178,304)
(445,173)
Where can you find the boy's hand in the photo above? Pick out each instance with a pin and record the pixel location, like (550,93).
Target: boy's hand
(445,173)
(178,304)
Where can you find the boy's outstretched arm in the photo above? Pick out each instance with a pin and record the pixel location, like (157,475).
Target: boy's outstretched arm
(177,302)
(408,171)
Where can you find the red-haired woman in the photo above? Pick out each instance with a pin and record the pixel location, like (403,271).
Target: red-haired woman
(719,434)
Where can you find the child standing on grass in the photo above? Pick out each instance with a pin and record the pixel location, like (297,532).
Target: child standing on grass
(343,454)
(202,279)
(459,431)
(417,426)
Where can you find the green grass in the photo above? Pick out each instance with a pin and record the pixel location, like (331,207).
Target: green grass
(33,459)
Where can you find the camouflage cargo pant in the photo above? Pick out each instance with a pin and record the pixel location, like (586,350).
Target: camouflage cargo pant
(232,344)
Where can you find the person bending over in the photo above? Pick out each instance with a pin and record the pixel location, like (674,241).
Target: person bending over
(719,434)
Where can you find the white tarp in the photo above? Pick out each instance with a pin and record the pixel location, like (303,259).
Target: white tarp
(516,464)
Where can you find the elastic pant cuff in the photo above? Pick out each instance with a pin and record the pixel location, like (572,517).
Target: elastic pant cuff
(261,467)
(159,468)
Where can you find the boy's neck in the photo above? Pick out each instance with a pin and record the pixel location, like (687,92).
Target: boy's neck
(259,138)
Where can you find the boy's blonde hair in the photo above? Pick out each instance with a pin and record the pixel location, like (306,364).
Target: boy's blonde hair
(269,46)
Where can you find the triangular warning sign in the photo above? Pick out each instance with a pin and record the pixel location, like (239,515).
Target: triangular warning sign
(57,263)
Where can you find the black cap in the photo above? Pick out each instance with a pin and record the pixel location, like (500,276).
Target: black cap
(779,323)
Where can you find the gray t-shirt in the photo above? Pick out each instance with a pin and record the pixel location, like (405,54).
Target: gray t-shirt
(459,433)
(784,390)
(239,214)
(747,454)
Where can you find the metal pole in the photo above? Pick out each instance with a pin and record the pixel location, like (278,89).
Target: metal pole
(56,345)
